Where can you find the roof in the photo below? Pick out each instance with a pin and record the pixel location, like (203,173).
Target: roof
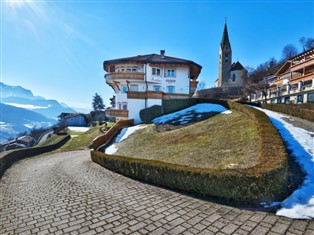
(237,66)
(225,38)
(285,67)
(154,59)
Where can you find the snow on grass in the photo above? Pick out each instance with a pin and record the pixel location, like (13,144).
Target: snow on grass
(78,128)
(125,133)
(185,114)
(300,204)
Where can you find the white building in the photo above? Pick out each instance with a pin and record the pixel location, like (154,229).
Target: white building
(143,81)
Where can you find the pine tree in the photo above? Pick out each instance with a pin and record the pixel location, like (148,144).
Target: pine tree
(98,103)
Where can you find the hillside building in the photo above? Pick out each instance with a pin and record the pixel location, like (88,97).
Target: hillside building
(143,81)
(293,82)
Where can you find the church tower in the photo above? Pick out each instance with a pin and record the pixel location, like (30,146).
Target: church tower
(225,58)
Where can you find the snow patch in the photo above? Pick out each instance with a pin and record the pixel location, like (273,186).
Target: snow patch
(125,133)
(78,128)
(300,204)
(199,108)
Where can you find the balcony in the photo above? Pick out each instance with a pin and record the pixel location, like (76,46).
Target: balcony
(116,76)
(117,113)
(302,65)
(145,95)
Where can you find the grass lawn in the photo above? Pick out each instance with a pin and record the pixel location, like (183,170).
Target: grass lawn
(222,141)
(79,140)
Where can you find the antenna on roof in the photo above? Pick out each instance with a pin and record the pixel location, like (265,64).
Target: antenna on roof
(225,20)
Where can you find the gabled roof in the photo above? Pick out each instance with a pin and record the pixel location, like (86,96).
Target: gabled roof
(154,59)
(225,38)
(284,68)
(151,58)
(237,66)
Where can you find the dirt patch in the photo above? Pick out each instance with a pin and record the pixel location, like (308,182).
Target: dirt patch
(299,122)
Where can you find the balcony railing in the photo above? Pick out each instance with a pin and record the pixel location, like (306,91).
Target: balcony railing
(117,113)
(300,66)
(124,75)
(145,95)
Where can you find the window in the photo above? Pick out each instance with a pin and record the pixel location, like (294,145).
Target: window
(226,54)
(299,99)
(170,89)
(125,106)
(279,101)
(287,100)
(156,88)
(134,88)
(134,70)
(156,71)
(233,77)
(124,88)
(171,73)
(310,97)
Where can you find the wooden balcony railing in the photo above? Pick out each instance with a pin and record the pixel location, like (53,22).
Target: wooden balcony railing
(143,95)
(300,66)
(124,75)
(117,113)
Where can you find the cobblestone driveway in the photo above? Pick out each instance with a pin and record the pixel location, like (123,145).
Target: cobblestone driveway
(67,193)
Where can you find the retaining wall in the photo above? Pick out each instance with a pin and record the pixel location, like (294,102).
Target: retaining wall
(104,139)
(8,158)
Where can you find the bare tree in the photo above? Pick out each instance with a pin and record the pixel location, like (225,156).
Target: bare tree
(289,51)
(201,85)
(306,43)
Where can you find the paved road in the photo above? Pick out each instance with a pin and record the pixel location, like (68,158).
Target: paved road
(67,193)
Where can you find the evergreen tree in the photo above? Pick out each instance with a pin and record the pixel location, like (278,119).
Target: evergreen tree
(98,103)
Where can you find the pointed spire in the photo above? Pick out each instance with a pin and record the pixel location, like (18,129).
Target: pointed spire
(225,37)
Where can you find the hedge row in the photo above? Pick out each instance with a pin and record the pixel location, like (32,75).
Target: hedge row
(266,180)
(302,111)
(148,114)
(8,158)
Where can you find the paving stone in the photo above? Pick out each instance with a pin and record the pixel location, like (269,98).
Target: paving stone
(66,193)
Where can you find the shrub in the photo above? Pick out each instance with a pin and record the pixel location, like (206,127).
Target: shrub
(174,105)
(304,111)
(150,113)
(267,179)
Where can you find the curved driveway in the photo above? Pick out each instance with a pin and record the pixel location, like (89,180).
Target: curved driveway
(66,193)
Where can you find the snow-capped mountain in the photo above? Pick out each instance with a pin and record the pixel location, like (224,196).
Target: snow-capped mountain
(23,98)
(22,111)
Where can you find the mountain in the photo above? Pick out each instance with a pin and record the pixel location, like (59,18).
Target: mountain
(15,120)
(23,98)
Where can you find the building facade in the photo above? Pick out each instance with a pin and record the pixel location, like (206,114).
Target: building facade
(143,81)
(293,82)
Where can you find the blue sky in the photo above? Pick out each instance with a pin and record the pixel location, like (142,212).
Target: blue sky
(56,48)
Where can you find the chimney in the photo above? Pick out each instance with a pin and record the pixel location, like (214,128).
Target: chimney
(162,54)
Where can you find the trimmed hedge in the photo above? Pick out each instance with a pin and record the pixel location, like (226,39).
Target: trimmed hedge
(8,158)
(301,111)
(174,105)
(266,180)
(148,114)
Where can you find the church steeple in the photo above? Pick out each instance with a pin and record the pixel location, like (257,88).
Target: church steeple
(225,38)
(225,58)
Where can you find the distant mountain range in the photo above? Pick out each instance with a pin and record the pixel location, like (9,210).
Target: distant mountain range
(15,120)
(21,110)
